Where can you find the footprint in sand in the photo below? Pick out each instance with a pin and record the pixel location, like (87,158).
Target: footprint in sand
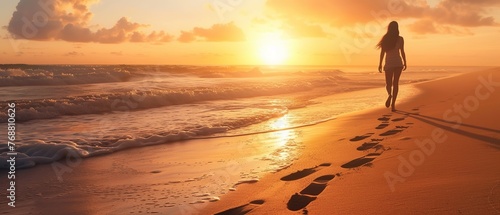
(384,119)
(398,119)
(382,126)
(361,161)
(394,131)
(303,173)
(362,137)
(310,193)
(368,145)
(243,209)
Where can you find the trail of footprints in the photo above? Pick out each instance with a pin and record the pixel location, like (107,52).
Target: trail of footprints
(310,193)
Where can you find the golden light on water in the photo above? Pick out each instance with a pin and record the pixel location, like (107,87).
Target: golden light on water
(284,136)
(281,123)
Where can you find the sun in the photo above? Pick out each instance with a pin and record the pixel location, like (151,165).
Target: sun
(273,49)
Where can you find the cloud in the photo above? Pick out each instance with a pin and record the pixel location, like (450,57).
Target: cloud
(217,33)
(334,12)
(117,53)
(424,26)
(73,54)
(299,28)
(186,37)
(455,17)
(43,20)
(462,13)
(476,2)
(74,33)
(68,20)
(208,54)
(121,32)
(160,36)
(447,14)
(427,26)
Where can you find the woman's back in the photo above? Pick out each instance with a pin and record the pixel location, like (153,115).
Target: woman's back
(393,58)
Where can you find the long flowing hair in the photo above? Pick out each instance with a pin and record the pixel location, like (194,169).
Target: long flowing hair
(390,38)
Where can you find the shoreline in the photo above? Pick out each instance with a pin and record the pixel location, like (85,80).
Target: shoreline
(121,141)
(59,152)
(139,166)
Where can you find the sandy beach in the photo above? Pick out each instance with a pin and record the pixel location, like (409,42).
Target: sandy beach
(437,154)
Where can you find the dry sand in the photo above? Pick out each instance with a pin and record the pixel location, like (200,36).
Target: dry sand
(438,154)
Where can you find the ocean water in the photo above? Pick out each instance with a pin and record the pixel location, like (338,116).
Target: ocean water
(99,109)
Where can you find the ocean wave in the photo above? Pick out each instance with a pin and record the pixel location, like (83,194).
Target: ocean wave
(55,75)
(31,153)
(27,110)
(51,76)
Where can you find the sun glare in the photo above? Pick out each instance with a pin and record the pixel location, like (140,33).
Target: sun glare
(282,136)
(273,49)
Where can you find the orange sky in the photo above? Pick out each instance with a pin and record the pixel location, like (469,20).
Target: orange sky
(244,32)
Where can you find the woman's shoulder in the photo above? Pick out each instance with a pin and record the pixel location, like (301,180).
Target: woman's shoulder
(401,40)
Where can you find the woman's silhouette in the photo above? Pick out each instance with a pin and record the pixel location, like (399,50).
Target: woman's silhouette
(391,45)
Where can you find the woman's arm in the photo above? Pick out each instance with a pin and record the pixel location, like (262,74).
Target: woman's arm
(403,54)
(382,53)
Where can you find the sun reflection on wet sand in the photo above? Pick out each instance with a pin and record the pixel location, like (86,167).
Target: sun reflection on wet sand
(282,136)
(283,141)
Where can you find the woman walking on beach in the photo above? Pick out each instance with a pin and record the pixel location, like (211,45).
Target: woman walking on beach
(392,46)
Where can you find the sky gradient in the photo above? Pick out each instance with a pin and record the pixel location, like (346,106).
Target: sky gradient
(244,32)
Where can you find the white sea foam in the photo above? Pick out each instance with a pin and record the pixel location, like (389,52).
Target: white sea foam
(31,109)
(60,76)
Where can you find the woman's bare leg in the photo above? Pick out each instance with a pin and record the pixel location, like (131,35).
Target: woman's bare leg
(389,76)
(395,89)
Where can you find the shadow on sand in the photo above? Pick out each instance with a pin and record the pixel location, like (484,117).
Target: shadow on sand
(448,126)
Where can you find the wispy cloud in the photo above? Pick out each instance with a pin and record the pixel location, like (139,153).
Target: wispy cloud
(216,33)
(117,53)
(73,54)
(448,16)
